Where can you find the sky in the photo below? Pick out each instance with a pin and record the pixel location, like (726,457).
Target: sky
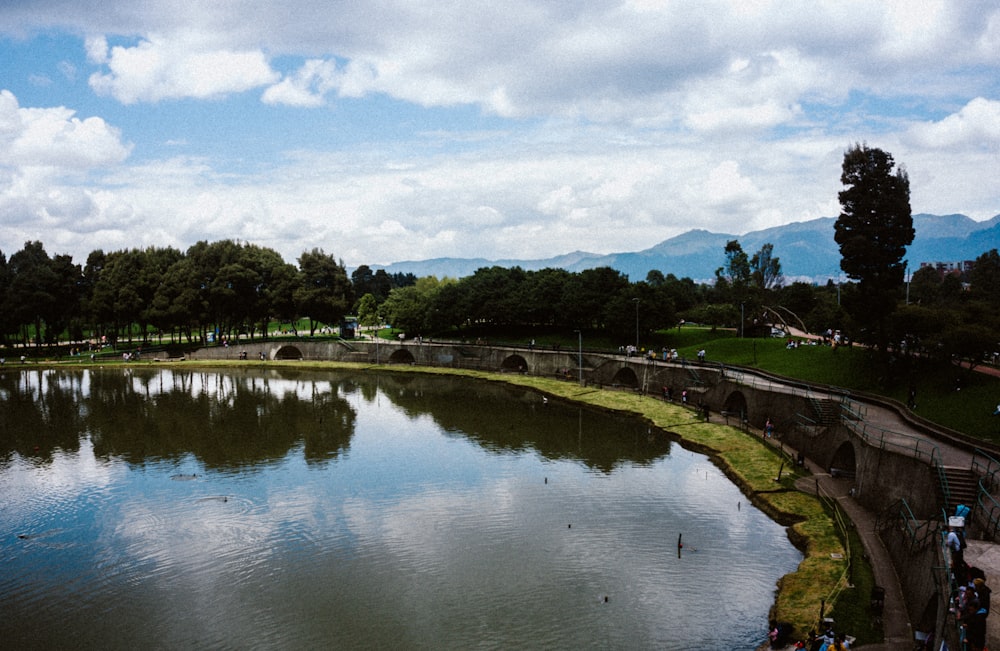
(382,131)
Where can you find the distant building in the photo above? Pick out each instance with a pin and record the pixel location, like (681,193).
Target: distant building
(949,268)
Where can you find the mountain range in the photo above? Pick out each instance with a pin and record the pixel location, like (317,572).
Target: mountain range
(806,250)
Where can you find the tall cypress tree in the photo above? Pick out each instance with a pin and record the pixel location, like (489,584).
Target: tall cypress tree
(873,231)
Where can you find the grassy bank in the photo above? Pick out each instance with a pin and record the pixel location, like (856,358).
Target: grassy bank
(745,459)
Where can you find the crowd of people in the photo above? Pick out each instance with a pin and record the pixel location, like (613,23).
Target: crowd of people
(828,640)
(971,596)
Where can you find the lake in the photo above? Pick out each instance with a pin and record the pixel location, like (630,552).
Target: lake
(251,508)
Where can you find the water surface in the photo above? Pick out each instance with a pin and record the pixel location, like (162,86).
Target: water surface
(260,509)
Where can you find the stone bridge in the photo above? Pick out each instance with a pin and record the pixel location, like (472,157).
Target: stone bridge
(828,425)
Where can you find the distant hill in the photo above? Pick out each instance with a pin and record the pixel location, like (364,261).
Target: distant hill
(806,249)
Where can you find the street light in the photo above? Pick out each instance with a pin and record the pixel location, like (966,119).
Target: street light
(906,275)
(579,359)
(636,301)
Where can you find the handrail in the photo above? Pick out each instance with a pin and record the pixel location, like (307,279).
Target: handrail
(990,508)
(852,402)
(843,582)
(988,473)
(876,437)
(769,382)
(805,420)
(899,512)
(943,480)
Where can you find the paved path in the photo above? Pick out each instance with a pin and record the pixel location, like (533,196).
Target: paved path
(895,621)
(898,431)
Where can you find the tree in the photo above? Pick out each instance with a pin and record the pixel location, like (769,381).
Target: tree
(597,298)
(736,271)
(543,292)
(765,268)
(64,311)
(377,283)
(873,231)
(984,278)
(925,286)
(179,302)
(6,326)
(367,309)
(744,281)
(33,291)
(495,294)
(276,292)
(324,292)
(412,308)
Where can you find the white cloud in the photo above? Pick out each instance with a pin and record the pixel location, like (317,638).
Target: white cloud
(43,152)
(96,48)
(976,125)
(727,188)
(55,138)
(177,66)
(620,124)
(306,88)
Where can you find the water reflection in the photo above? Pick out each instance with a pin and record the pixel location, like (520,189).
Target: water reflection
(260,509)
(502,418)
(256,416)
(226,421)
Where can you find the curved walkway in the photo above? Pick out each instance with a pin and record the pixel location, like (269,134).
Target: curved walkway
(890,423)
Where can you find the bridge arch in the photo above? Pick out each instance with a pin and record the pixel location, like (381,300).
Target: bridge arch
(626,377)
(844,461)
(402,356)
(288,352)
(736,403)
(514,363)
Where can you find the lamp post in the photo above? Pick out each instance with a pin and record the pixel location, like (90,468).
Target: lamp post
(579,359)
(906,275)
(636,301)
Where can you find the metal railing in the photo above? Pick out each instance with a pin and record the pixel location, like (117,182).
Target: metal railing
(987,508)
(899,517)
(883,439)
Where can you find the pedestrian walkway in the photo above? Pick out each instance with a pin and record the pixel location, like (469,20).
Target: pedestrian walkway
(898,631)
(895,620)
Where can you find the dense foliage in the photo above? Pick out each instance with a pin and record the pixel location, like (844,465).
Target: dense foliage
(222,289)
(873,231)
(227,289)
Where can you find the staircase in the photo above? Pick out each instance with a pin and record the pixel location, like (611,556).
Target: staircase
(827,412)
(962,488)
(695,377)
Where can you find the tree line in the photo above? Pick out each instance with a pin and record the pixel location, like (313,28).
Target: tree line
(223,288)
(230,289)
(233,289)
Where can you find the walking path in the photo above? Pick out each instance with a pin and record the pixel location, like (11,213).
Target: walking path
(900,433)
(895,620)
